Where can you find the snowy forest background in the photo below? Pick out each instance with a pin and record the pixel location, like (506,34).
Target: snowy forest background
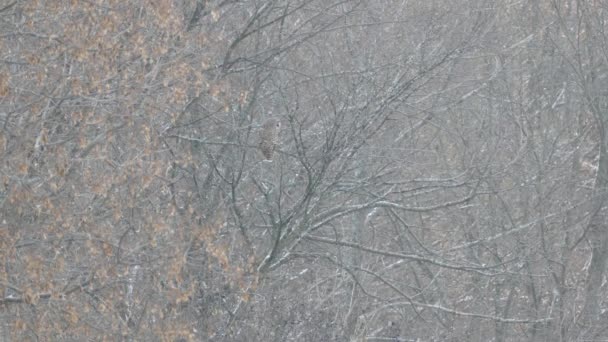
(440,175)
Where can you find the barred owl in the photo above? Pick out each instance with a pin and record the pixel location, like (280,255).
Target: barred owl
(269,137)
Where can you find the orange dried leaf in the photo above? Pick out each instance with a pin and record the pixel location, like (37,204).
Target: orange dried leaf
(4,88)
(29,296)
(20,325)
(71,316)
(107,249)
(23,167)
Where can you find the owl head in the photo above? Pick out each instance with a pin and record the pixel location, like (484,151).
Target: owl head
(271,124)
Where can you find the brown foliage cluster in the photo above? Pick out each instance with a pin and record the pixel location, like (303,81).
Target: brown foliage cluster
(95,233)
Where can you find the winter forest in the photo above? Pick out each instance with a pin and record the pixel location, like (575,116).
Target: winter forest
(303,170)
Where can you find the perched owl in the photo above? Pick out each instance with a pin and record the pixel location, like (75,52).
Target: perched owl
(269,137)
